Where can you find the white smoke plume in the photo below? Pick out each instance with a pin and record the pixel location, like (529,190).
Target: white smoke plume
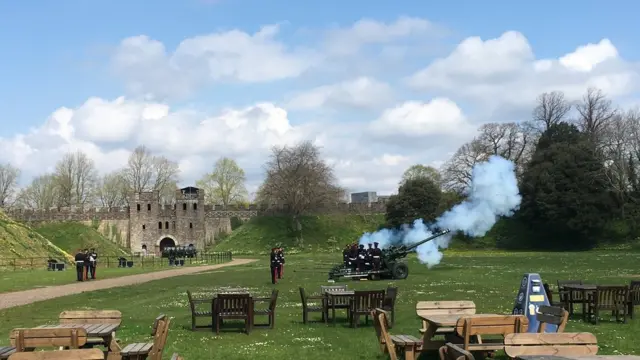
(493,193)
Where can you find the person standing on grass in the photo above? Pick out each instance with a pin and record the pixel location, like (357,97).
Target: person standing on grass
(86,264)
(280,263)
(274,265)
(93,259)
(79,258)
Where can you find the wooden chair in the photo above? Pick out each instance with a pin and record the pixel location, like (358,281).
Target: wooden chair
(270,311)
(75,354)
(552,301)
(196,313)
(634,296)
(91,317)
(342,302)
(362,303)
(410,345)
(609,298)
(425,308)
(468,327)
(558,344)
(233,307)
(389,303)
(149,350)
(552,315)
(6,351)
(452,352)
(30,339)
(566,295)
(306,308)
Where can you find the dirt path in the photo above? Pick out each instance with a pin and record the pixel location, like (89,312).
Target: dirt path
(25,297)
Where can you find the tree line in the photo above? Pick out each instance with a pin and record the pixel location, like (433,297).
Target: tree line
(577,165)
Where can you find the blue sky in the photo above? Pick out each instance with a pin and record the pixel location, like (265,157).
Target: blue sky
(60,53)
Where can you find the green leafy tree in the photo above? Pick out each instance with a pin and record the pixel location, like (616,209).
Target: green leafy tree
(417,199)
(565,196)
(225,184)
(419,171)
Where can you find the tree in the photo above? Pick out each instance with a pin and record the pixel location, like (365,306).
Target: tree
(8,181)
(111,190)
(417,199)
(298,178)
(551,109)
(596,113)
(75,176)
(564,193)
(40,194)
(146,172)
(225,184)
(419,171)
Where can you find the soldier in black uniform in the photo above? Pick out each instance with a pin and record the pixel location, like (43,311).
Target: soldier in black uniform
(362,254)
(345,255)
(79,258)
(274,265)
(93,261)
(353,256)
(369,257)
(281,262)
(376,256)
(86,264)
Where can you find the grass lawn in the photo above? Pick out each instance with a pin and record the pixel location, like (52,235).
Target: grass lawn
(490,279)
(30,279)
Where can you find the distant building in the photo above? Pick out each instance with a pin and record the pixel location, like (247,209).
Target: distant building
(364,197)
(383,198)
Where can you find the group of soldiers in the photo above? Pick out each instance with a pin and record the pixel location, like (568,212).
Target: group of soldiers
(86,262)
(356,257)
(277,264)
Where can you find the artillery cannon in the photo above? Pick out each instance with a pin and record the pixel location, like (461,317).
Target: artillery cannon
(393,264)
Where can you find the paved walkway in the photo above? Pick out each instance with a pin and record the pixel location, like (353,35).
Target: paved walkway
(25,297)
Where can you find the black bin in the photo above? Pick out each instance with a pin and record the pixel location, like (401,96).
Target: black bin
(60,267)
(122,262)
(129,263)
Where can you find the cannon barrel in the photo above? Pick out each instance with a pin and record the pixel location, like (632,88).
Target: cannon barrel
(436,235)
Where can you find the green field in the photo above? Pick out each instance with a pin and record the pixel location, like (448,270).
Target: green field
(490,279)
(319,233)
(71,236)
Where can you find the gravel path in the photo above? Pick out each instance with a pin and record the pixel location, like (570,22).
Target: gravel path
(25,297)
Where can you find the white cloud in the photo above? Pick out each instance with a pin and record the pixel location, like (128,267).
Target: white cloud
(505,71)
(362,92)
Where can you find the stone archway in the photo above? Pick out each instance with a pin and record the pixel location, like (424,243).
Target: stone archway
(166,242)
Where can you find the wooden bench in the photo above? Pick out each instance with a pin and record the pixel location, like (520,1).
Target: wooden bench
(5,351)
(270,311)
(149,350)
(91,317)
(552,315)
(468,327)
(75,354)
(392,344)
(196,312)
(29,339)
(426,308)
(573,344)
(453,352)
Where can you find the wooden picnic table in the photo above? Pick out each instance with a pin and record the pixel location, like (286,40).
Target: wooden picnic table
(6,351)
(585,289)
(333,294)
(434,322)
(578,357)
(104,331)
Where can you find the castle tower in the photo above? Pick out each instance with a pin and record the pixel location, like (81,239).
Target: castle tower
(143,215)
(190,213)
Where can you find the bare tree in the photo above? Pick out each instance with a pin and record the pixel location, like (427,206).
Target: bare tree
(511,141)
(595,114)
(298,178)
(419,171)
(225,184)
(551,109)
(146,172)
(40,194)
(8,181)
(75,178)
(111,190)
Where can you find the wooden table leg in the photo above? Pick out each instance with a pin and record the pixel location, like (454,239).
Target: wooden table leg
(427,339)
(410,352)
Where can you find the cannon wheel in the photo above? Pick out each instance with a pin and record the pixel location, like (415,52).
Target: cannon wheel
(400,271)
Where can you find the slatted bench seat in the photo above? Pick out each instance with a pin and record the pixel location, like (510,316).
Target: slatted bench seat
(559,344)
(467,328)
(75,354)
(410,345)
(147,350)
(5,351)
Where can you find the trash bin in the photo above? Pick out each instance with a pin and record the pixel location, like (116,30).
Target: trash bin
(181,262)
(59,267)
(51,264)
(129,263)
(122,262)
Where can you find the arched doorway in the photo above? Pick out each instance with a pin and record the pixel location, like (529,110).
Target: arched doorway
(166,242)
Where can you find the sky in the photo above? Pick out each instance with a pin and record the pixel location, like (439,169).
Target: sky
(379,85)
